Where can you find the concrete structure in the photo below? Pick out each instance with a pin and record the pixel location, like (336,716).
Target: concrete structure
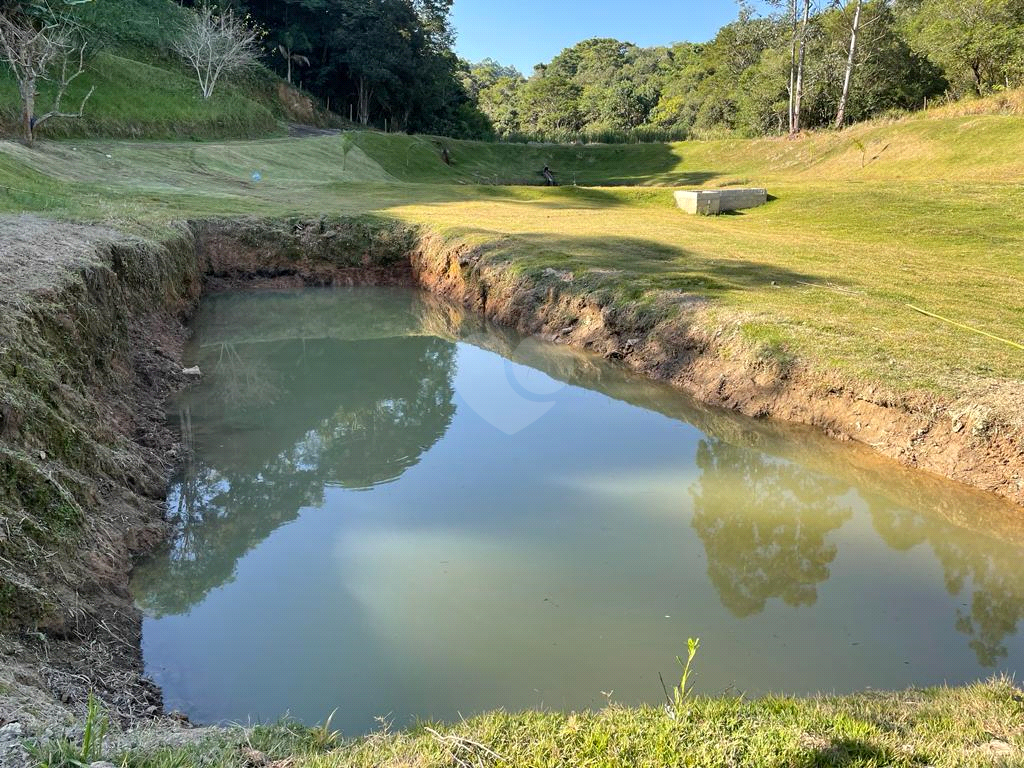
(713,202)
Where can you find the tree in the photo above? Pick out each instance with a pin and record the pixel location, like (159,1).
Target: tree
(851,58)
(549,105)
(976,42)
(500,102)
(797,15)
(41,47)
(289,39)
(216,44)
(801,58)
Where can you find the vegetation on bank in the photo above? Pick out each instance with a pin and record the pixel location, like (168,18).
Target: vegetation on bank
(808,280)
(779,67)
(867,224)
(974,726)
(141,88)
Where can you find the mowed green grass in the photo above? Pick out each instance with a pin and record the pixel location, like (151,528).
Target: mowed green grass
(927,211)
(969,727)
(144,99)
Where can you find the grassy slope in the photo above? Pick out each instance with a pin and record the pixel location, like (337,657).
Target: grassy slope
(143,90)
(926,211)
(138,99)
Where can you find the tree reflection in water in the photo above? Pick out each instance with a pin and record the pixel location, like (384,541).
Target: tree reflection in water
(984,567)
(300,415)
(366,389)
(763,523)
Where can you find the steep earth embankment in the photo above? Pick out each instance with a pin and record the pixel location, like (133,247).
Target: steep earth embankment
(90,336)
(976,443)
(90,342)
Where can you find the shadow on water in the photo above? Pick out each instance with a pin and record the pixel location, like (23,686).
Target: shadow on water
(352,391)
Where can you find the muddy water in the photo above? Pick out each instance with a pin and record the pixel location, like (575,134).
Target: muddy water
(394,511)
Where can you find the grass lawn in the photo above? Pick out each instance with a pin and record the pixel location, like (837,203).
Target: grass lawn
(927,211)
(979,725)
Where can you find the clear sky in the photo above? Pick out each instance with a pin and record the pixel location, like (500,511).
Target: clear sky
(527,32)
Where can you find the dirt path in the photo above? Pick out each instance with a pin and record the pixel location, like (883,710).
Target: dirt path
(300,131)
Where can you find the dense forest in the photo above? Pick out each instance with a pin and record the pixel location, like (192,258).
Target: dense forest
(781,66)
(387,63)
(805,65)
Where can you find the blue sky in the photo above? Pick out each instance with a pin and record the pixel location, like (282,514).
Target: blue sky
(527,32)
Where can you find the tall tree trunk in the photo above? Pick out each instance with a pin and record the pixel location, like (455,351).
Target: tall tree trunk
(800,66)
(364,101)
(841,112)
(28,108)
(288,53)
(792,69)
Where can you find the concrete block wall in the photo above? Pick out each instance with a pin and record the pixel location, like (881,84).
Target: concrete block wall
(713,202)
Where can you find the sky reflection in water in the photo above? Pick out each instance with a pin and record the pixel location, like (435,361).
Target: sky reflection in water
(396,511)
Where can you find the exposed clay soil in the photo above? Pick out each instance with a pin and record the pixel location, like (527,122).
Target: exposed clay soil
(89,638)
(978,441)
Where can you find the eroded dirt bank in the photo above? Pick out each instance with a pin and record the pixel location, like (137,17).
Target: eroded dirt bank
(91,332)
(976,441)
(90,348)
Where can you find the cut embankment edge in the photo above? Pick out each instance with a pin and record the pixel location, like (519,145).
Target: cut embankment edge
(139,288)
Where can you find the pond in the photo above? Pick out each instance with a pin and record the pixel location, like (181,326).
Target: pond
(399,512)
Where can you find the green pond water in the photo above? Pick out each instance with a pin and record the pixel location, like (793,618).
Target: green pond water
(395,511)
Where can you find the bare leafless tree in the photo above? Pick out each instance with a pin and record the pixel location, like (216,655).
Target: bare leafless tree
(797,14)
(216,44)
(37,51)
(851,58)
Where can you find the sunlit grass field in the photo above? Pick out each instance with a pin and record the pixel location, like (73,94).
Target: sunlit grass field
(927,211)
(864,224)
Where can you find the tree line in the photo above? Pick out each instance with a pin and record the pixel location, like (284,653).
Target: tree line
(383,63)
(781,67)
(386,63)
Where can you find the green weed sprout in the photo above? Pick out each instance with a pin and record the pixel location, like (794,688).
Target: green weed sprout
(65,754)
(682,691)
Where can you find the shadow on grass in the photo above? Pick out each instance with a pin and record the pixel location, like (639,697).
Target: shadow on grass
(574,164)
(560,198)
(848,753)
(649,264)
(685,179)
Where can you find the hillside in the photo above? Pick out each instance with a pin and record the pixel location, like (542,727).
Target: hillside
(801,310)
(936,197)
(144,91)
